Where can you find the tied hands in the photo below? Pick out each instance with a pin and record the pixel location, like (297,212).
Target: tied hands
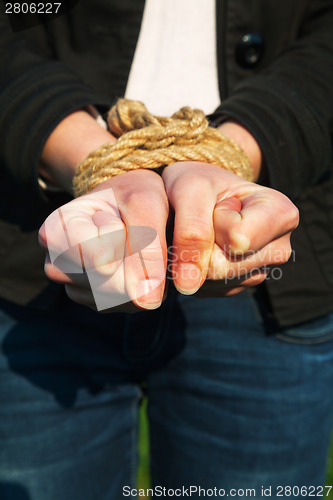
(226,234)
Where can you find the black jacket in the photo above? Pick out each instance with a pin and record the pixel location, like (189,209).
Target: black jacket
(275,68)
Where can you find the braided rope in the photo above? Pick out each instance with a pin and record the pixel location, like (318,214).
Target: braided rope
(148,141)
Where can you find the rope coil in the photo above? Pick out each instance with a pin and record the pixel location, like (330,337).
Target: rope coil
(148,141)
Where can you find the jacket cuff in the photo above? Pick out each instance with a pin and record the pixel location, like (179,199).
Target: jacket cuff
(34,104)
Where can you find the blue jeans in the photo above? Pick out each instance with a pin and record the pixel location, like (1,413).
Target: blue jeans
(230,406)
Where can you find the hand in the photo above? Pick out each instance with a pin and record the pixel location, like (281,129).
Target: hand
(225,227)
(99,233)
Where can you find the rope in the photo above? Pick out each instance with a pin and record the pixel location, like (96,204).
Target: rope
(150,142)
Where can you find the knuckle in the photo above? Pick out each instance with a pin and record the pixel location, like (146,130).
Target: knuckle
(42,236)
(51,272)
(194,235)
(153,255)
(150,261)
(294,217)
(146,240)
(188,179)
(289,213)
(142,200)
(139,193)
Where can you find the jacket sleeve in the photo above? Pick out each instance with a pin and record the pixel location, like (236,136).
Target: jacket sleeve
(288,106)
(36,93)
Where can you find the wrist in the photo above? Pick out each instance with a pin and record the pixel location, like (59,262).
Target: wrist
(246,141)
(70,142)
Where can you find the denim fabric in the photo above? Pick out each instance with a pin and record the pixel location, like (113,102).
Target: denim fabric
(230,405)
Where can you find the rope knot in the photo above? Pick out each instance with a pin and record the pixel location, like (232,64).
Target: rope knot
(149,141)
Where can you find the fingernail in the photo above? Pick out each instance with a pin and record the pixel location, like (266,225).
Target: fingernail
(149,294)
(188,278)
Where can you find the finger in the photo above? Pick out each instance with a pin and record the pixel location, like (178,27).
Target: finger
(145,214)
(104,293)
(105,255)
(108,290)
(78,237)
(224,265)
(100,237)
(233,288)
(233,291)
(105,286)
(227,218)
(227,288)
(232,204)
(265,216)
(56,275)
(63,233)
(193,199)
(107,251)
(56,239)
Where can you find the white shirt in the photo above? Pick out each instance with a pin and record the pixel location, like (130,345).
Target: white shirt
(175,63)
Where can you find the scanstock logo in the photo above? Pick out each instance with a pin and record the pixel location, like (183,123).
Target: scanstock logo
(25,14)
(105,258)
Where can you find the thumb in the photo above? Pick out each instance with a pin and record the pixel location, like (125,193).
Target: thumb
(227,218)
